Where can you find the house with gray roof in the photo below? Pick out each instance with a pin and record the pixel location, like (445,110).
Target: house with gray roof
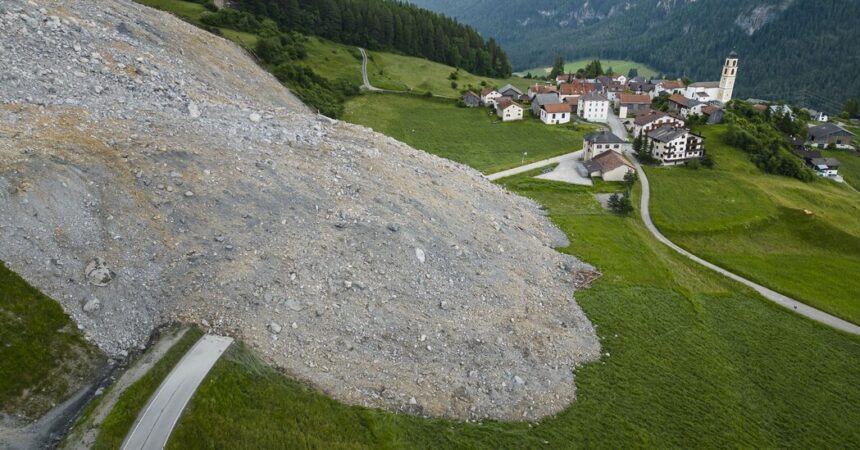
(603,141)
(829,133)
(673,145)
(509,90)
(540,100)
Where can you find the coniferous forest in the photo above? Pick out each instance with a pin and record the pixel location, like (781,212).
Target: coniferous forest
(387,25)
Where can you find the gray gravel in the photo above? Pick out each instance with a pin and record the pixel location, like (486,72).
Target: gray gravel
(150,171)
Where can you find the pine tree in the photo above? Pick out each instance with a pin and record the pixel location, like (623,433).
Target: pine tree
(557,67)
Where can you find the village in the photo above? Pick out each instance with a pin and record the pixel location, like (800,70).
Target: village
(657,113)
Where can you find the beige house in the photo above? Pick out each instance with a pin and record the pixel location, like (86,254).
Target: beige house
(508,110)
(610,166)
(595,144)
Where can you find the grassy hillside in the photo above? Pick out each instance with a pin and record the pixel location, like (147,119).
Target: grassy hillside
(43,356)
(618,66)
(472,136)
(691,360)
(404,73)
(755,224)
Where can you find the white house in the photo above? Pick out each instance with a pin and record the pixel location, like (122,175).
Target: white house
(671,87)
(603,141)
(674,145)
(703,91)
(508,110)
(594,108)
(555,114)
(825,167)
(686,107)
(489,96)
(650,120)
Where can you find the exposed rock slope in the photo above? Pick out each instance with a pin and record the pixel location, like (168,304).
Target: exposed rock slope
(151,171)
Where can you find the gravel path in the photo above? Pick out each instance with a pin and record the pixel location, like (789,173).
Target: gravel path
(364,75)
(153,427)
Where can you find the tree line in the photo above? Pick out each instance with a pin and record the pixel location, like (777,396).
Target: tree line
(387,25)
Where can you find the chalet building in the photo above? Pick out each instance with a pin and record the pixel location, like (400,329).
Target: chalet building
(829,133)
(684,106)
(471,99)
(649,120)
(713,114)
(508,110)
(511,92)
(489,96)
(575,89)
(541,89)
(632,104)
(541,100)
(671,87)
(601,142)
(610,166)
(593,108)
(825,167)
(674,145)
(555,114)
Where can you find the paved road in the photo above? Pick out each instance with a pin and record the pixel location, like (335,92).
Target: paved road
(533,166)
(154,425)
(566,171)
(769,294)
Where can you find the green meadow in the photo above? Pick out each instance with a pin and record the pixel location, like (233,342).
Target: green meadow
(801,239)
(472,136)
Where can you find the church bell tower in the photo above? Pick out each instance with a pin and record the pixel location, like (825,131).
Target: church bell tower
(727,81)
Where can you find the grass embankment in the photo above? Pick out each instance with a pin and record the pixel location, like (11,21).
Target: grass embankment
(43,356)
(334,61)
(119,421)
(472,136)
(618,66)
(850,165)
(407,73)
(754,224)
(694,360)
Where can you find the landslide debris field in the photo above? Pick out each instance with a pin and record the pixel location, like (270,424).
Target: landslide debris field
(150,171)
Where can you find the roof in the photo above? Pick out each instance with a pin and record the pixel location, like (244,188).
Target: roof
(706,84)
(733,54)
(576,88)
(486,91)
(648,116)
(604,137)
(556,108)
(594,97)
(634,99)
(826,129)
(829,162)
(542,89)
(672,84)
(510,87)
(572,100)
(505,102)
(546,99)
(609,161)
(683,101)
(709,109)
(667,133)
(470,93)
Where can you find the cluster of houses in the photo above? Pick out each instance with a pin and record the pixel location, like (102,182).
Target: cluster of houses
(819,137)
(663,134)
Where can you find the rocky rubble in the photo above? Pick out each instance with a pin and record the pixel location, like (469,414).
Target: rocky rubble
(151,171)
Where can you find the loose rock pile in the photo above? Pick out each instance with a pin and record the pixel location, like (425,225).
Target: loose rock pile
(151,171)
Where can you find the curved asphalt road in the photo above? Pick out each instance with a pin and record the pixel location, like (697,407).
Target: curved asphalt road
(782,300)
(156,422)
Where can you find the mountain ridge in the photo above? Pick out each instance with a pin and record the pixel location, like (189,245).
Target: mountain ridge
(775,38)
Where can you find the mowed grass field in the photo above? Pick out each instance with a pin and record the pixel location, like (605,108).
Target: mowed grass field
(754,224)
(617,65)
(472,136)
(691,360)
(43,356)
(406,73)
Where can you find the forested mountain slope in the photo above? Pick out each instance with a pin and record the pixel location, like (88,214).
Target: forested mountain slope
(796,50)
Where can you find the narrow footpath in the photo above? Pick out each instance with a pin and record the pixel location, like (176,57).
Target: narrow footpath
(153,426)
